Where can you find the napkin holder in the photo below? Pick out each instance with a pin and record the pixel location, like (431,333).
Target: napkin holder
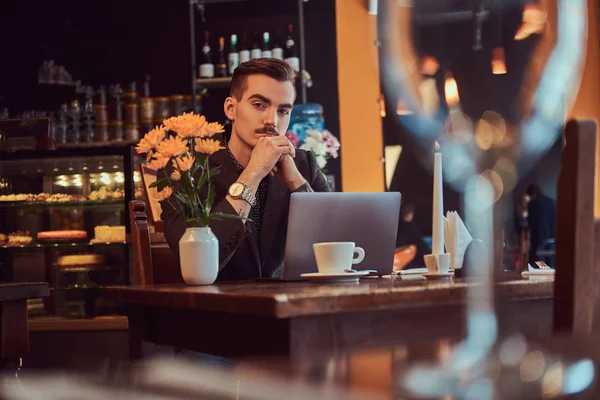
(475,252)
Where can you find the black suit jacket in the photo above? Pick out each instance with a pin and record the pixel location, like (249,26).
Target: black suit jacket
(243,255)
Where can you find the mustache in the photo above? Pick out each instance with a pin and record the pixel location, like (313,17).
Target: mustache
(268,129)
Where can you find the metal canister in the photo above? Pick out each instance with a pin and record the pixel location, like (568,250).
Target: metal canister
(178,105)
(161,109)
(115,111)
(132,114)
(132,132)
(147,110)
(188,103)
(101,134)
(101,111)
(116,130)
(131,98)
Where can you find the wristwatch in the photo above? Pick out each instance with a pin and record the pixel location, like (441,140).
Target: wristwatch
(241,191)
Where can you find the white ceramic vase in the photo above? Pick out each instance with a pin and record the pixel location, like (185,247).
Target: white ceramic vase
(199,256)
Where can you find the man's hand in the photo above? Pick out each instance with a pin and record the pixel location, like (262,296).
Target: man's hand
(268,151)
(287,172)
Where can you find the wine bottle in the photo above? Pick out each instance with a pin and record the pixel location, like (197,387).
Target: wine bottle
(291,54)
(244,52)
(221,67)
(256,52)
(234,56)
(277,49)
(266,46)
(207,68)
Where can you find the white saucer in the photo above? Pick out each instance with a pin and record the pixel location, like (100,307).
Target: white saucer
(437,276)
(342,277)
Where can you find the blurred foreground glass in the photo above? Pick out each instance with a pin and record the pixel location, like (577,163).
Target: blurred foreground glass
(494,90)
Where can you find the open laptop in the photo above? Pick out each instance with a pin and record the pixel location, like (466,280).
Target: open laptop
(368,219)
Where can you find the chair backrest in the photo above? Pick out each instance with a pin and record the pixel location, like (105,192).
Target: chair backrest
(148,177)
(577,280)
(153,260)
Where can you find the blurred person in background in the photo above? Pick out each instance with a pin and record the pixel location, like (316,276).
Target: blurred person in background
(541,213)
(410,234)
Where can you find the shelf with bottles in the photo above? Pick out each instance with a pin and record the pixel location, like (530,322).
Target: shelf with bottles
(213,70)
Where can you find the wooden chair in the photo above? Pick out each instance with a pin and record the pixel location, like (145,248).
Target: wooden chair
(148,177)
(524,240)
(14,328)
(577,281)
(153,260)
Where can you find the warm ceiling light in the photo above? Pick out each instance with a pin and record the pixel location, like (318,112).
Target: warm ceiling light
(451,90)
(498,61)
(429,65)
(534,21)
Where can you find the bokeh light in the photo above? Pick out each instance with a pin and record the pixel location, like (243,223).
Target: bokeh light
(532,366)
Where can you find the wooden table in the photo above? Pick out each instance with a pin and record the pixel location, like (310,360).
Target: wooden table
(239,320)
(13,323)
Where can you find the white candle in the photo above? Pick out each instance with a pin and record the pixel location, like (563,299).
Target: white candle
(437,229)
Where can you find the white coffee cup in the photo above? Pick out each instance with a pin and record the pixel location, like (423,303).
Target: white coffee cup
(437,263)
(336,257)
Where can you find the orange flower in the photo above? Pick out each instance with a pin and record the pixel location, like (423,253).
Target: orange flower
(187,125)
(158,162)
(151,140)
(172,147)
(211,129)
(183,163)
(208,146)
(176,175)
(165,193)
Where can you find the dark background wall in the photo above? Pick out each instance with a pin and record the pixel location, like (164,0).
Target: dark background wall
(114,41)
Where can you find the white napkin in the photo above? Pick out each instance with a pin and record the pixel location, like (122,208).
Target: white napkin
(456,238)
(535,273)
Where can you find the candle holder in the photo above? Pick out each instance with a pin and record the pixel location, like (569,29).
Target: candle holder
(437,263)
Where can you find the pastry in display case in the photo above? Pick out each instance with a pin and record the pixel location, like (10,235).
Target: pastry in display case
(65,221)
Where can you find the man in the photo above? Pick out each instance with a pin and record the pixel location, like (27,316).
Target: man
(410,234)
(541,212)
(260,169)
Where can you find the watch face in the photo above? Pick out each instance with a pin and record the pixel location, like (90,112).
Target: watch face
(236,189)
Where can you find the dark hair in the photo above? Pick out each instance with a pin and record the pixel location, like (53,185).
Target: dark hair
(533,190)
(271,67)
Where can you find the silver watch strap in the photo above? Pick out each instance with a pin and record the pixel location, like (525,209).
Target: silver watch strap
(249,196)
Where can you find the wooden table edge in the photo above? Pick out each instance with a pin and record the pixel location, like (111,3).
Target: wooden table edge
(283,306)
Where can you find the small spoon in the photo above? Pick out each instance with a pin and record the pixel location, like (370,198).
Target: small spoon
(370,271)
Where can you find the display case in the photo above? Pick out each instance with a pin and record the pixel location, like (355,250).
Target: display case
(64,220)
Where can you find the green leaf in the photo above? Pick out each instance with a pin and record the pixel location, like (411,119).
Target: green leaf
(210,198)
(160,184)
(201,181)
(195,222)
(201,158)
(215,171)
